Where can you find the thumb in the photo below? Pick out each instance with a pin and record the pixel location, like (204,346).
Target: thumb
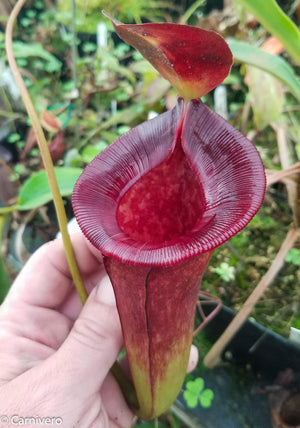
(95,340)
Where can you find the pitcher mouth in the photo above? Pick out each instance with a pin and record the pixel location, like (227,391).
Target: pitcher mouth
(174,187)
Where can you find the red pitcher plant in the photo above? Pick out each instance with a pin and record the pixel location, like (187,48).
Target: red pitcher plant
(161,198)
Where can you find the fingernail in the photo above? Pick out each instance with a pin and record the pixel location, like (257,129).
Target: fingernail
(134,420)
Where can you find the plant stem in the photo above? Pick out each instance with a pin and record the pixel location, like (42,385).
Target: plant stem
(292,185)
(188,420)
(282,175)
(45,154)
(126,386)
(213,356)
(191,10)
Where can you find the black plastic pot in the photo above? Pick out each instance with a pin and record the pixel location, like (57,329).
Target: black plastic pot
(266,351)
(243,381)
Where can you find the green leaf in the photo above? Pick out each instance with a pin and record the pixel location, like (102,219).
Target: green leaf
(151,425)
(195,393)
(36,191)
(121,49)
(226,272)
(25,22)
(4,278)
(4,281)
(39,5)
(269,14)
(191,399)
(193,389)
(293,256)
(275,65)
(31,13)
(195,386)
(206,398)
(123,129)
(268,108)
(92,150)
(13,138)
(297,321)
(89,47)
(25,50)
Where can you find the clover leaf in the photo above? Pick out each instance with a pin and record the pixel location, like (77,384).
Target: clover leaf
(195,393)
(226,272)
(293,256)
(206,398)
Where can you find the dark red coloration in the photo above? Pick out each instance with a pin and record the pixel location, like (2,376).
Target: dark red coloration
(217,167)
(176,208)
(156,203)
(194,61)
(57,146)
(159,306)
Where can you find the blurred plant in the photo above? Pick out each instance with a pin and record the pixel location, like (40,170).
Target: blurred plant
(35,191)
(4,278)
(104,74)
(293,256)
(127,10)
(225,272)
(274,20)
(45,154)
(272,17)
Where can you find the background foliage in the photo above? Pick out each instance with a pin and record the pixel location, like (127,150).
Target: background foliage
(89,88)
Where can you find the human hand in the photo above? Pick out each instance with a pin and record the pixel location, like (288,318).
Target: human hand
(55,356)
(50,364)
